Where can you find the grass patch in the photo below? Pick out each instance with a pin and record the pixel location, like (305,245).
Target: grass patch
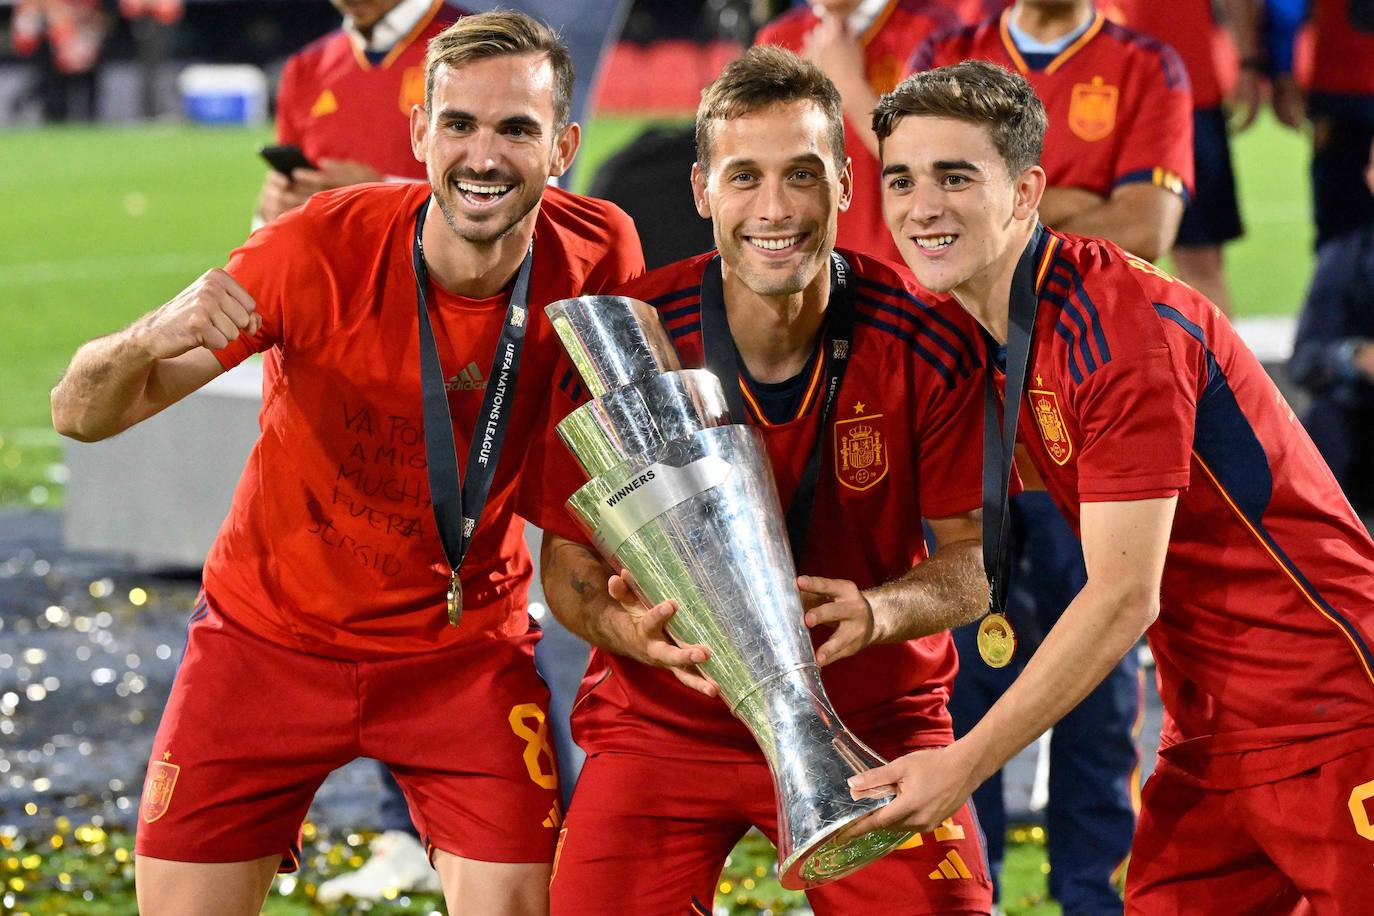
(84,870)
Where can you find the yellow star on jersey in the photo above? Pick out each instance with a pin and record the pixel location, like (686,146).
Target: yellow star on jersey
(858,407)
(166,755)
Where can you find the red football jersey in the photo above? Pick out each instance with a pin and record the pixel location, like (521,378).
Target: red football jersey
(1343,47)
(330,544)
(1118,103)
(1188,27)
(896,31)
(335,104)
(908,409)
(1138,387)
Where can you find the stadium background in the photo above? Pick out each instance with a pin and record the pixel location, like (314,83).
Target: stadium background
(101,221)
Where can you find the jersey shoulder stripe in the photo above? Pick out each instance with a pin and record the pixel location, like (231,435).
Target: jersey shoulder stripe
(949,375)
(924,317)
(1172,66)
(1079,324)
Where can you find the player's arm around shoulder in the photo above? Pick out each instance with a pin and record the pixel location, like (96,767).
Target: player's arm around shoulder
(116,381)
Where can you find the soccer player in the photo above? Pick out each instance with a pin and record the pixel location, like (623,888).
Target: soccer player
(1340,104)
(862,46)
(671,777)
(1117,101)
(345,99)
(322,633)
(1118,151)
(1161,438)
(1212,217)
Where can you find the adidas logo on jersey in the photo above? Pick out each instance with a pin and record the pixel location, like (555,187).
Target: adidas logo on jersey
(467,379)
(951,866)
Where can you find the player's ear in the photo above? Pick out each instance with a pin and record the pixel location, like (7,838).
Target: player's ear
(419,131)
(846,184)
(1029,187)
(565,147)
(699,191)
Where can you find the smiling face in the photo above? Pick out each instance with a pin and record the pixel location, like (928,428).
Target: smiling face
(490,143)
(773,193)
(954,210)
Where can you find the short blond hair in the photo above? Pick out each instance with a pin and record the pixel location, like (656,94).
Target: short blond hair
(763,76)
(497,34)
(979,93)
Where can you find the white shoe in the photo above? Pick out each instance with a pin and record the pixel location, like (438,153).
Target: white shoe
(398,864)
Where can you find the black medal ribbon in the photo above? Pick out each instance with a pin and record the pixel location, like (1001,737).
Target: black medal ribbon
(999,445)
(458,501)
(722,358)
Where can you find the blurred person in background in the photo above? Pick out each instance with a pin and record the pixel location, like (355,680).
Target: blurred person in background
(1333,358)
(345,100)
(1118,159)
(1339,101)
(152,23)
(69,35)
(1212,217)
(862,45)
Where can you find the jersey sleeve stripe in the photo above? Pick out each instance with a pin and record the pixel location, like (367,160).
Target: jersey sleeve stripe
(1158,176)
(912,342)
(659,302)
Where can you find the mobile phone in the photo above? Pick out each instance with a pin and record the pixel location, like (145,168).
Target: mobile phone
(285,158)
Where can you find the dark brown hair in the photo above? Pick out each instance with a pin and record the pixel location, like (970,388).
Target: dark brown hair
(979,93)
(763,76)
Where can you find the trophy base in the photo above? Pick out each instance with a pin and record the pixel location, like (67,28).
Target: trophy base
(826,858)
(812,756)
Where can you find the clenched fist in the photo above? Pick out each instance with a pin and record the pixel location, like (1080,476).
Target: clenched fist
(210,313)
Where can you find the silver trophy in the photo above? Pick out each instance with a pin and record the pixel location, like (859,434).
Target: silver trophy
(685,501)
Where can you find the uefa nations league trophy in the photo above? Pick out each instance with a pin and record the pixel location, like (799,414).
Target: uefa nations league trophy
(685,501)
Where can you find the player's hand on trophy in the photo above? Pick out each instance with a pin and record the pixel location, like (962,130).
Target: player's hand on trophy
(840,604)
(644,636)
(210,313)
(930,786)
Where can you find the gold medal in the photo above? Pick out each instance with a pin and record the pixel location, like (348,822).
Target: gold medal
(996,640)
(455,601)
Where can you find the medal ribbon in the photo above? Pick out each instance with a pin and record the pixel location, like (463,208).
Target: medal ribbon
(999,444)
(722,358)
(458,501)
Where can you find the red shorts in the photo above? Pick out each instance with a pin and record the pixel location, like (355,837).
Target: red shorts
(1300,845)
(252,728)
(657,830)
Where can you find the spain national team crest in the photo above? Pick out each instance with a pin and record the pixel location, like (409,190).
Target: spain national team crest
(157,789)
(860,451)
(1092,110)
(1045,406)
(412,89)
